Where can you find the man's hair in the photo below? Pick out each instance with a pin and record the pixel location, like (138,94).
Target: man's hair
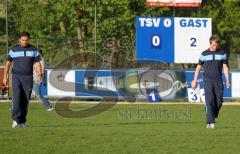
(214,38)
(40,51)
(21,34)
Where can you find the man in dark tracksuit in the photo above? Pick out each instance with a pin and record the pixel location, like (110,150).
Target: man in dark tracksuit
(214,61)
(23,55)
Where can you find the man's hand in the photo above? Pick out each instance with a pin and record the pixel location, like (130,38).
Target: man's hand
(226,72)
(5,80)
(5,74)
(228,84)
(194,84)
(39,79)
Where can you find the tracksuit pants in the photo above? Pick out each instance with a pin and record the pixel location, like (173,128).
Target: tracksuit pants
(214,98)
(22,88)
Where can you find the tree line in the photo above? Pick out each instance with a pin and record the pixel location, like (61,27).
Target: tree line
(64,28)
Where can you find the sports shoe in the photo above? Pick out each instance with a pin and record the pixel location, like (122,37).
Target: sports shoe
(208,125)
(22,125)
(15,124)
(212,125)
(50,109)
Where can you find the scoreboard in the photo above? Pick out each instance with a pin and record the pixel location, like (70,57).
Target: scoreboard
(172,40)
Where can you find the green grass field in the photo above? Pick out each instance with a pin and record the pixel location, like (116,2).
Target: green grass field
(123,129)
